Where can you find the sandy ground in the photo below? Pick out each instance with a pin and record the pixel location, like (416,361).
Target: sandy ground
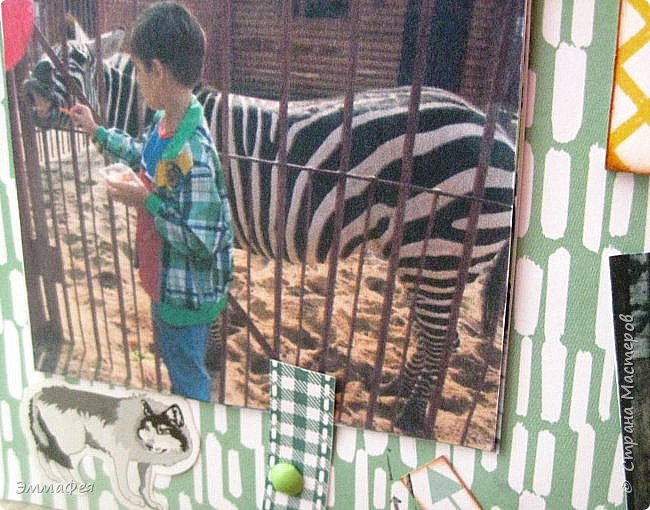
(107,334)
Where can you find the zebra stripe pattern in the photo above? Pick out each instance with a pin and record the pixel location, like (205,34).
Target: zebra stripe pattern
(121,109)
(446,152)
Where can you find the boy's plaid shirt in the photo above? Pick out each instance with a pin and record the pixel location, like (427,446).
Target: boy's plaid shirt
(191,214)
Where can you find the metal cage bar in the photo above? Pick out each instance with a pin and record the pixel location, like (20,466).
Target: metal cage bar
(405,178)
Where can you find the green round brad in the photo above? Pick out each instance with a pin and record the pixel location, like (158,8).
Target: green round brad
(286,478)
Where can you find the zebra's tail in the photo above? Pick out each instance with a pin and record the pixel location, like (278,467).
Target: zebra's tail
(494,290)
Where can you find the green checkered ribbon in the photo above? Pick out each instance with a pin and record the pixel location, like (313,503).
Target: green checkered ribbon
(301,429)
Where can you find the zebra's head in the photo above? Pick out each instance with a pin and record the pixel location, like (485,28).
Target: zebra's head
(45,90)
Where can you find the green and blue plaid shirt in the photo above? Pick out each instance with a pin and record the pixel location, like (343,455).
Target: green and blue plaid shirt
(189,205)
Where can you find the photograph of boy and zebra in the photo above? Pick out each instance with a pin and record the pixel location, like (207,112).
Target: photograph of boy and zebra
(369,151)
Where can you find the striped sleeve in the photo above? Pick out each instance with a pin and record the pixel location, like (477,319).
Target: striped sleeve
(119,146)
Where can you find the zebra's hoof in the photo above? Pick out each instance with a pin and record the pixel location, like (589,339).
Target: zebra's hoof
(212,364)
(394,388)
(213,356)
(455,343)
(410,419)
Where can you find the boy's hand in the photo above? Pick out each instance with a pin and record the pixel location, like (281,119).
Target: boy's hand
(82,117)
(126,193)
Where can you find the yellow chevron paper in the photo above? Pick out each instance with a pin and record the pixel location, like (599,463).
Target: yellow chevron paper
(628,146)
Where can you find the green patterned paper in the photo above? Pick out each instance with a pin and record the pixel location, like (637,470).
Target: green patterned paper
(560,446)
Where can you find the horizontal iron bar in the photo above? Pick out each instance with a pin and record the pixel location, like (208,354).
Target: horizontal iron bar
(337,173)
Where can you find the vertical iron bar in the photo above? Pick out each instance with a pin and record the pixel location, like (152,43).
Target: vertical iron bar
(344,168)
(303,269)
(120,287)
(98,262)
(424,24)
(55,230)
(418,278)
(44,270)
(281,190)
(247,368)
(341,385)
(83,233)
(225,45)
(475,395)
(496,91)
(66,366)
(134,289)
(99,66)
(34,297)
(223,333)
(142,107)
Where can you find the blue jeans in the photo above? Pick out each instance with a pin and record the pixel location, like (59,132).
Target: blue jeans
(183,352)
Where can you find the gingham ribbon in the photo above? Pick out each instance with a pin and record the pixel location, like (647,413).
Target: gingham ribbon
(301,429)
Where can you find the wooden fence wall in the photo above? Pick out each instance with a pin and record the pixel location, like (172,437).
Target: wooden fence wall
(319,49)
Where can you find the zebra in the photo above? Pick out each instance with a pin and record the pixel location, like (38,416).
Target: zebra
(446,151)
(46,91)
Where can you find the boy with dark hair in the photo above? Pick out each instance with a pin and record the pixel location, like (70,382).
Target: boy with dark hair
(184,234)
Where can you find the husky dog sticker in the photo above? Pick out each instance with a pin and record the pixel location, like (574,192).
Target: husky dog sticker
(155,433)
